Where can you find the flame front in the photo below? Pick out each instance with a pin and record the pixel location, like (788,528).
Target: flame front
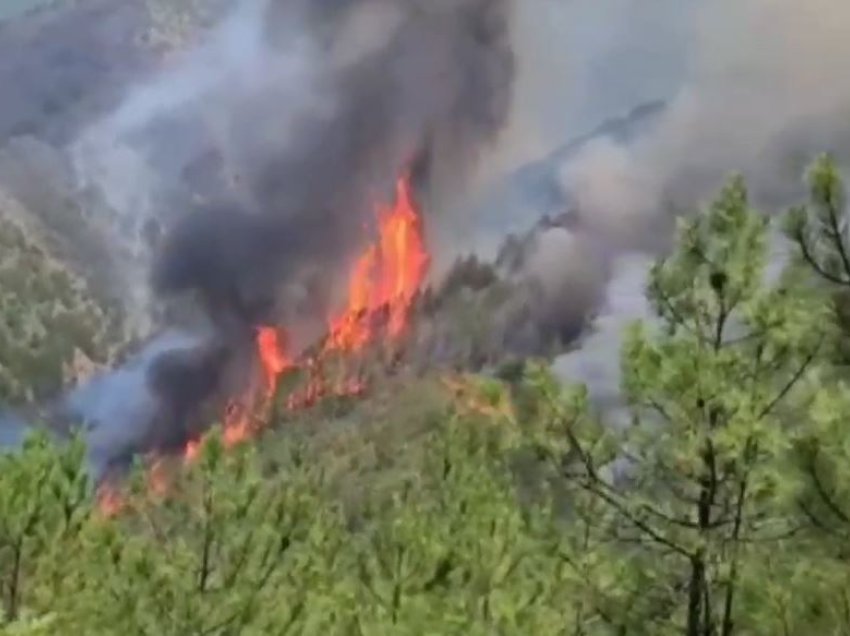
(405,261)
(382,287)
(384,281)
(385,278)
(271,348)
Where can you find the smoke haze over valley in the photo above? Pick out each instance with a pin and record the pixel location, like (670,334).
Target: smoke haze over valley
(227,184)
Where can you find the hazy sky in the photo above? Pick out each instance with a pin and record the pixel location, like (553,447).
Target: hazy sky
(582,61)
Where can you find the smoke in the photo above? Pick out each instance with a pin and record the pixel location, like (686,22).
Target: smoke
(257,158)
(425,95)
(568,272)
(253,161)
(581,62)
(761,105)
(146,404)
(162,150)
(762,91)
(596,363)
(295,117)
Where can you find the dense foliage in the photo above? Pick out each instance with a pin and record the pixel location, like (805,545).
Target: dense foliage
(722,508)
(50,320)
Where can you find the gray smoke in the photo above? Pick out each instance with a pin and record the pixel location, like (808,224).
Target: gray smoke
(761,105)
(289,124)
(763,90)
(313,186)
(256,156)
(596,362)
(147,404)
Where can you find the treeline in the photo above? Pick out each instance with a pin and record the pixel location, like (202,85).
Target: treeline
(722,507)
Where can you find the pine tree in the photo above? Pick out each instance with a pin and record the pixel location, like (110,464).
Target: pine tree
(44,504)
(697,487)
(820,231)
(224,549)
(458,549)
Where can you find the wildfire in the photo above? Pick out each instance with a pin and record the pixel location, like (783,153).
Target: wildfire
(110,502)
(271,347)
(382,286)
(385,278)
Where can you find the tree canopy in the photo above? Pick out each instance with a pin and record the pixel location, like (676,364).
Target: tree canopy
(505,506)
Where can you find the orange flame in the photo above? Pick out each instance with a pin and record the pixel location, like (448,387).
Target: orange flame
(192,450)
(271,349)
(385,278)
(109,500)
(405,261)
(240,418)
(382,288)
(237,423)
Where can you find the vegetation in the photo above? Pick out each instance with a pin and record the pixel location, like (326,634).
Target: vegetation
(175,26)
(51,323)
(505,507)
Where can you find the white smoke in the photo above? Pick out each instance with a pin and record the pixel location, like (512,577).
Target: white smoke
(580,62)
(596,362)
(114,157)
(762,89)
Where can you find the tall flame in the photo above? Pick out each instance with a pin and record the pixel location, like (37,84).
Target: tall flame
(383,283)
(385,278)
(271,348)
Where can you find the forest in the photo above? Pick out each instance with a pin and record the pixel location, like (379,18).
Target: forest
(480,506)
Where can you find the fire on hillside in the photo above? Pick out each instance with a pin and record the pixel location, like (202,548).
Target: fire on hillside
(384,282)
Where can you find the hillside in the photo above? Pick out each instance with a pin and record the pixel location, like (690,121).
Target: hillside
(236,399)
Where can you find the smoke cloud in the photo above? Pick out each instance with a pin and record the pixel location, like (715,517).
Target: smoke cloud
(758,104)
(241,176)
(287,125)
(761,93)
(147,404)
(253,162)
(596,362)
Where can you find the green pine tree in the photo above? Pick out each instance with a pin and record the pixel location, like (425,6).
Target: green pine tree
(44,504)
(697,488)
(224,549)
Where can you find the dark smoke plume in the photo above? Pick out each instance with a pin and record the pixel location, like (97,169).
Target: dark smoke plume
(434,88)
(150,403)
(257,159)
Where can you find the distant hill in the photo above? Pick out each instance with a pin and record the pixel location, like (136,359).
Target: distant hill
(535,189)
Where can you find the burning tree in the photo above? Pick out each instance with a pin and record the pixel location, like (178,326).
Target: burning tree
(384,282)
(503,509)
